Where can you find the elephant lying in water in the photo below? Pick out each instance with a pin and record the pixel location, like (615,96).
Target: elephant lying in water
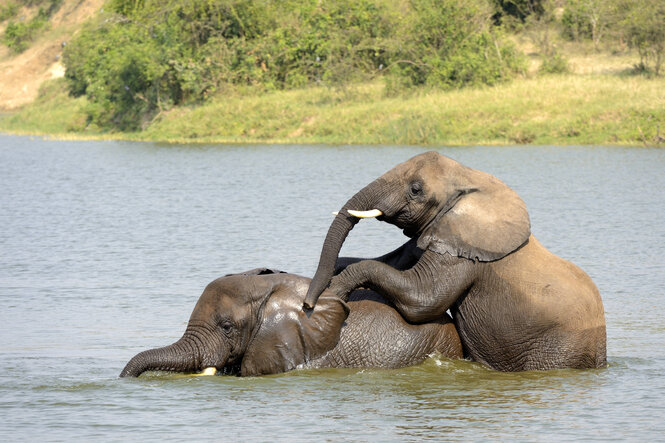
(253,324)
(516,305)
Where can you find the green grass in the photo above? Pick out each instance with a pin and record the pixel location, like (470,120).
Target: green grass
(52,113)
(556,109)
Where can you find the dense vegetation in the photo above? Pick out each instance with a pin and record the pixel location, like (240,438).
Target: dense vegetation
(639,23)
(259,70)
(551,109)
(145,56)
(21,31)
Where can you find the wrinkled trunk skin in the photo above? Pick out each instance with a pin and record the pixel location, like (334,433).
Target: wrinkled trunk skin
(181,356)
(364,200)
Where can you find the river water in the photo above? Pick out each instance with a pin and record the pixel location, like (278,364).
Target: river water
(106,246)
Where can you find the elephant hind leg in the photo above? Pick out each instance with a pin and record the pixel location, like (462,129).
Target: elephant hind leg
(584,349)
(595,354)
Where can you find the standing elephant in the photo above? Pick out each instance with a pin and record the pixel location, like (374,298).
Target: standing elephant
(516,306)
(253,324)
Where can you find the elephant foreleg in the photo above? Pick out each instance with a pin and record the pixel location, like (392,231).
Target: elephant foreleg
(401,258)
(421,293)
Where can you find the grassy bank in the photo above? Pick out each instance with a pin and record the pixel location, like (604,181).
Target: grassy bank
(557,109)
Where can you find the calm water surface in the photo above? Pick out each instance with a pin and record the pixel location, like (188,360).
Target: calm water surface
(106,246)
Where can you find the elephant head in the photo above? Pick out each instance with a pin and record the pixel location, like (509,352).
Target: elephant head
(252,323)
(446,206)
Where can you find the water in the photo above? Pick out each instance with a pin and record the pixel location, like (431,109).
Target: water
(106,246)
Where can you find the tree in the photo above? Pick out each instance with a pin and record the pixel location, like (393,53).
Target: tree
(517,9)
(587,17)
(450,44)
(644,27)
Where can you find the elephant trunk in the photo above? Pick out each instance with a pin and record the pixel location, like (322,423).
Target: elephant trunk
(181,356)
(339,229)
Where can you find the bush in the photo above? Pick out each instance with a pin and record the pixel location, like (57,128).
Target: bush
(332,42)
(126,76)
(450,44)
(644,28)
(588,19)
(148,55)
(555,63)
(517,10)
(8,11)
(18,35)
(575,24)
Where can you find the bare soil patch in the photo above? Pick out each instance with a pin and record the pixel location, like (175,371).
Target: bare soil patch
(21,75)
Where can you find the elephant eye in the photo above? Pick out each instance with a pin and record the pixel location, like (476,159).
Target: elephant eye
(416,188)
(227,327)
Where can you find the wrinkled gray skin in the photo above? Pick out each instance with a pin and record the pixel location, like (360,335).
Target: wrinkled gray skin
(253,324)
(516,306)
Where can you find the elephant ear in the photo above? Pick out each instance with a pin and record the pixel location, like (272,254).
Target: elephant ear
(483,222)
(288,336)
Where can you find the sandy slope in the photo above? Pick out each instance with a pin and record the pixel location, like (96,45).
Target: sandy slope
(21,75)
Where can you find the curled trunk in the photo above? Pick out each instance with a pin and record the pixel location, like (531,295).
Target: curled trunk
(181,356)
(337,233)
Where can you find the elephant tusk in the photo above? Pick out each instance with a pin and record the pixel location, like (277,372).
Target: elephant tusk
(365,214)
(207,371)
(335,213)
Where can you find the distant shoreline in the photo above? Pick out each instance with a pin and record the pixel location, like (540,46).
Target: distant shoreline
(569,109)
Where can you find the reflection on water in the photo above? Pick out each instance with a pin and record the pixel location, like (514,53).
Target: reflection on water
(106,246)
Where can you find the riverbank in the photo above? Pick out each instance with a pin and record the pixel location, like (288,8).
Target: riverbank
(557,109)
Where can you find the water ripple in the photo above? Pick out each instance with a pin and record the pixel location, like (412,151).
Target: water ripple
(106,246)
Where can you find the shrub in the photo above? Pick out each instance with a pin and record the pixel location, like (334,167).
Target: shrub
(586,19)
(574,24)
(516,9)
(554,63)
(18,35)
(7,11)
(331,42)
(148,55)
(644,28)
(450,44)
(126,76)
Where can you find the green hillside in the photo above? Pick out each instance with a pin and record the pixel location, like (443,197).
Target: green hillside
(370,71)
